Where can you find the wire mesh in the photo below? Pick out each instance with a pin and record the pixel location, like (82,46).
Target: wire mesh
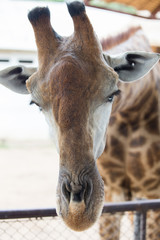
(117,226)
(153,225)
(46,228)
(125,223)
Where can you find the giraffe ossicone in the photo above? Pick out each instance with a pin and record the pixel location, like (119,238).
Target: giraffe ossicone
(74,85)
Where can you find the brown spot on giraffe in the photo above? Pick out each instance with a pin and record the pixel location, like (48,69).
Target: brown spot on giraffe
(152,126)
(149,182)
(156,149)
(138,142)
(134,125)
(123,129)
(117,150)
(154,186)
(157,172)
(115,175)
(150,158)
(153,154)
(124,114)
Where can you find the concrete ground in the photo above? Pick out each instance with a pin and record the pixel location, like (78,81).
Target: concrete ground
(28,175)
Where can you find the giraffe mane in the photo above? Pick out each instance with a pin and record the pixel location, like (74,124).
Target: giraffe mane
(112,41)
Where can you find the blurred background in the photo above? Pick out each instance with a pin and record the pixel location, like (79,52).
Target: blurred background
(28,159)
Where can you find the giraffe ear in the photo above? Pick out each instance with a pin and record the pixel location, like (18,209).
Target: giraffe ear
(131,66)
(15,78)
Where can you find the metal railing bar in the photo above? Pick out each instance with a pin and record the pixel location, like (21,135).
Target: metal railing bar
(27,213)
(137,224)
(143,226)
(139,206)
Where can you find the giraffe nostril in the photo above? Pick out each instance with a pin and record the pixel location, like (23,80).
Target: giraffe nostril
(73,192)
(78,196)
(77,193)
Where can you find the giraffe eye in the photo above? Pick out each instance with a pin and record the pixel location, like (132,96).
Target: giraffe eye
(111,97)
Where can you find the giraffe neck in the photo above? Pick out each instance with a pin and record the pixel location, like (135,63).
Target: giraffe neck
(134,96)
(129,162)
(140,93)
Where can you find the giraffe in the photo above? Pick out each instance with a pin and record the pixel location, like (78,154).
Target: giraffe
(75,85)
(130,163)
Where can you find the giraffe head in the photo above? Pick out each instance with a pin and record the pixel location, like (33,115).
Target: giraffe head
(74,86)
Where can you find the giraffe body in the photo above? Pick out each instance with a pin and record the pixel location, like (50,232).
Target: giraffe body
(130,164)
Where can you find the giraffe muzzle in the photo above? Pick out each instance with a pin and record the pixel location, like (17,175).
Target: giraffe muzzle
(77,193)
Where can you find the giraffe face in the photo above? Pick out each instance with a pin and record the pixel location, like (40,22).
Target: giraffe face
(76,100)
(74,87)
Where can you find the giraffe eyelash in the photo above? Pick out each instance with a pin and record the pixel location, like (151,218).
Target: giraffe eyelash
(33,102)
(116,93)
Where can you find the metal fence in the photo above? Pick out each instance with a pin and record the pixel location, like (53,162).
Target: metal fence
(43,224)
